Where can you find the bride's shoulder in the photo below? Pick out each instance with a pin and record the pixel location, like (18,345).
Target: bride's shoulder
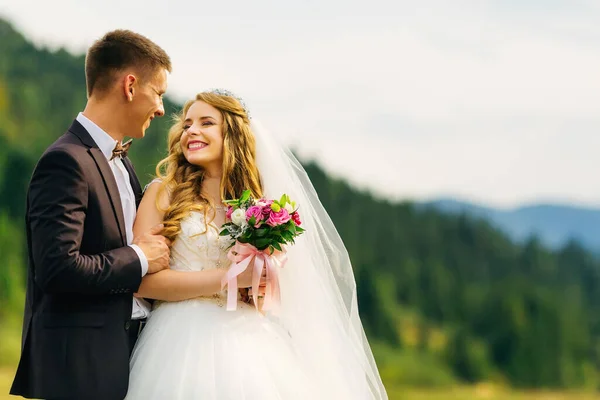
(155,181)
(156,189)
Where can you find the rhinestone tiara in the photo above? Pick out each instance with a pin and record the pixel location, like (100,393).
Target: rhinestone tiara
(225,92)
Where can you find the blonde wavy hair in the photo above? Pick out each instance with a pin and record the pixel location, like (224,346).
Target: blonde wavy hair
(183,181)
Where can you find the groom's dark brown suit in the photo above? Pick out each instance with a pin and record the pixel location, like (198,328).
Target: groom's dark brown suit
(81,276)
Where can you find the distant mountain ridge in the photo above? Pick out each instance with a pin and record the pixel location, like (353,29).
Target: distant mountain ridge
(554,224)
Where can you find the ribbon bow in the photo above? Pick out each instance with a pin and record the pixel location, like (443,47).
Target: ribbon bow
(241,255)
(121,149)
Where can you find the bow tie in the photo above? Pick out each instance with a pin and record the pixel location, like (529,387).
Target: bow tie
(121,150)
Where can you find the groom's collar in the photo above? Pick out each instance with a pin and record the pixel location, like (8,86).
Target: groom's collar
(102,139)
(78,130)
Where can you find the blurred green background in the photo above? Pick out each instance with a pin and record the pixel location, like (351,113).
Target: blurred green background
(452,307)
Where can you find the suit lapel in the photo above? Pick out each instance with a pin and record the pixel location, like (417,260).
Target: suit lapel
(107,175)
(133,179)
(111,187)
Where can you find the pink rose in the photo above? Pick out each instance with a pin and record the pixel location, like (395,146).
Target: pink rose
(278,218)
(257,213)
(296,218)
(266,207)
(229,212)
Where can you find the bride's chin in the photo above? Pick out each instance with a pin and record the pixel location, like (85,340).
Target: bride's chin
(198,161)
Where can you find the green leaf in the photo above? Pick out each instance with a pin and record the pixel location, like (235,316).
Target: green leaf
(262,243)
(245,196)
(261,232)
(287,236)
(276,245)
(283,200)
(225,232)
(292,228)
(252,221)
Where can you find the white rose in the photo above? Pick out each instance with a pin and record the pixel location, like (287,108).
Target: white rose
(238,217)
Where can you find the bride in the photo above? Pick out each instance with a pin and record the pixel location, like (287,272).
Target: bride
(192,347)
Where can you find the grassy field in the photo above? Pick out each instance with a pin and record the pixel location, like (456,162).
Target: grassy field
(6,376)
(484,393)
(10,345)
(459,393)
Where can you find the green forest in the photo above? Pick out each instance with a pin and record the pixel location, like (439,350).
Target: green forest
(446,300)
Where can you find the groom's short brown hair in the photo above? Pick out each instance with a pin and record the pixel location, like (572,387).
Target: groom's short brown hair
(117,50)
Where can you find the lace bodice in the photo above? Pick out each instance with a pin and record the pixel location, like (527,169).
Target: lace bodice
(199,246)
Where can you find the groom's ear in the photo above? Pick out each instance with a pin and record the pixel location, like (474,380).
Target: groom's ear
(129,86)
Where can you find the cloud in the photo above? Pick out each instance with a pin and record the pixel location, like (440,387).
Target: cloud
(478,99)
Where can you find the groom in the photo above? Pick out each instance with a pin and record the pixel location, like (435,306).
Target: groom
(81,318)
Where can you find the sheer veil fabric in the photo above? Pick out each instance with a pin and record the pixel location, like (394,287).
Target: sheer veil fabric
(319,307)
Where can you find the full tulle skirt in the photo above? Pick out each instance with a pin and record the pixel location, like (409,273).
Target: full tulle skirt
(196,349)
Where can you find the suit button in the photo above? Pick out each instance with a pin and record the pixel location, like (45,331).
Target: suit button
(127,325)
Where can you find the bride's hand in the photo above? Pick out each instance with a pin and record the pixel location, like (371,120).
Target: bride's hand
(244,279)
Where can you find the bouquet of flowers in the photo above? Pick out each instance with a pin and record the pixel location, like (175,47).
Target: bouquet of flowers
(259,228)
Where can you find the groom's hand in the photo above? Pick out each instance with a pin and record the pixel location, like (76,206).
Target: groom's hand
(155,248)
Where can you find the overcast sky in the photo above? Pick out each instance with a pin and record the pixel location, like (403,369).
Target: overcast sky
(496,102)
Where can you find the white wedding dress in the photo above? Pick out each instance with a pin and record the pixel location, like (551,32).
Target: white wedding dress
(196,349)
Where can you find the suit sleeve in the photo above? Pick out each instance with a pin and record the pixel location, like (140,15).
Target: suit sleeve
(58,198)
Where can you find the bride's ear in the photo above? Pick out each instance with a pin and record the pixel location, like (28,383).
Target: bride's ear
(129,87)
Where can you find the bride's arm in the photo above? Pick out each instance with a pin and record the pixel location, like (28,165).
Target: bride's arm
(167,284)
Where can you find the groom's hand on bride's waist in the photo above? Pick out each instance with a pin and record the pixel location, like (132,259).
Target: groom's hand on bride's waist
(155,248)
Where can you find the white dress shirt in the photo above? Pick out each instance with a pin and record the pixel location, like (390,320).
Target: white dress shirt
(141,308)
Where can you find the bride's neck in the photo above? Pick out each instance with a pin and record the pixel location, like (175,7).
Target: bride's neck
(211,188)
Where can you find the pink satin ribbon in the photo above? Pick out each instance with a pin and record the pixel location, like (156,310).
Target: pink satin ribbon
(241,254)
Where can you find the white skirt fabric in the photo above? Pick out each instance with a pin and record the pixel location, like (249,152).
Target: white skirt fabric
(196,349)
